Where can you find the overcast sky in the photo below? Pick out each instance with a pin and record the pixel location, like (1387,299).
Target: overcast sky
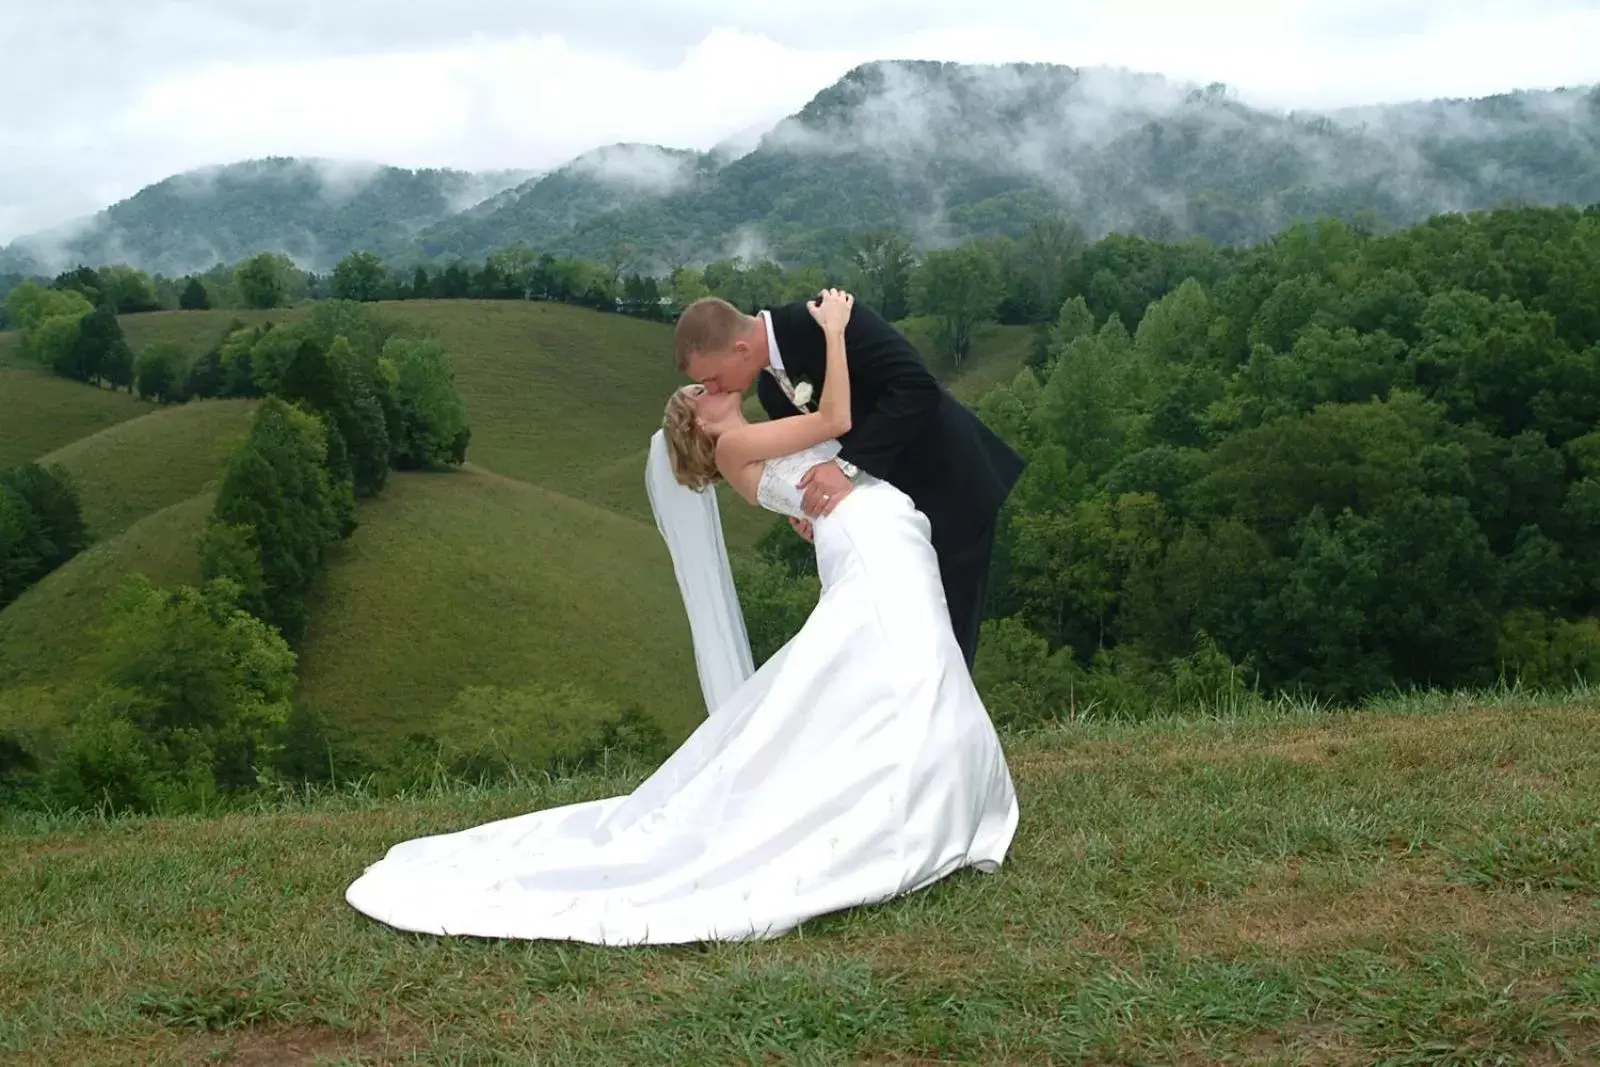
(103,97)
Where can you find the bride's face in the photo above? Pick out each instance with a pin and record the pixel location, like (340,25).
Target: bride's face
(715,409)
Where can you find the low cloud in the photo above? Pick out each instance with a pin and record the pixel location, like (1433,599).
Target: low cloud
(640,168)
(139,93)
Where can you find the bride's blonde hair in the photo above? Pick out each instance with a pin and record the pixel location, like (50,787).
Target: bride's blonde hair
(691,450)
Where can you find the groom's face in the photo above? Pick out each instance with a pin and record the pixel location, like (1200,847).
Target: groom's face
(731,371)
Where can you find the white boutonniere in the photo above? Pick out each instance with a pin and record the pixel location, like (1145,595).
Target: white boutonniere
(802,394)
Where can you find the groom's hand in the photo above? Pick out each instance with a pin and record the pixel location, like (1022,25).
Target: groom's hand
(825,485)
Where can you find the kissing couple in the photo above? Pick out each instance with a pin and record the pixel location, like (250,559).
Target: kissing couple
(855,765)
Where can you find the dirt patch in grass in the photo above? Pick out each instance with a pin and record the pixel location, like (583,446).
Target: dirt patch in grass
(293,1046)
(1285,916)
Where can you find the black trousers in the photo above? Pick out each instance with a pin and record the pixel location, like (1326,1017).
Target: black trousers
(964,567)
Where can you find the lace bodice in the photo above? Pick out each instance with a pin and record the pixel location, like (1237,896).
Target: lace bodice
(777,490)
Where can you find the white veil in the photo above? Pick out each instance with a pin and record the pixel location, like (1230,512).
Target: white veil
(692,526)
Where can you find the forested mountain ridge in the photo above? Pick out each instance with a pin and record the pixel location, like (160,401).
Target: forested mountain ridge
(315,211)
(940,151)
(947,151)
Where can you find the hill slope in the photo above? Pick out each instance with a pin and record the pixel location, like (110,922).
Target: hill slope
(548,569)
(143,465)
(40,412)
(47,634)
(1381,887)
(472,579)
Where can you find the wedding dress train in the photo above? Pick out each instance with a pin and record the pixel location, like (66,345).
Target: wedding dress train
(856,765)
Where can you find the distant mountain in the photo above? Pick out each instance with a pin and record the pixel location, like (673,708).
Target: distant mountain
(543,211)
(946,151)
(943,151)
(315,211)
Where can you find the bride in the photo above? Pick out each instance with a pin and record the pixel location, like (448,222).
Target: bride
(857,764)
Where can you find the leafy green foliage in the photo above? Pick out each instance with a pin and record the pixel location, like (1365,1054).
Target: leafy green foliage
(279,487)
(161,373)
(41,525)
(433,419)
(263,280)
(1348,461)
(193,693)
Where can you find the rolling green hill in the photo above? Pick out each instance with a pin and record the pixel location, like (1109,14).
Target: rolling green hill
(538,564)
(140,466)
(40,412)
(47,633)
(471,578)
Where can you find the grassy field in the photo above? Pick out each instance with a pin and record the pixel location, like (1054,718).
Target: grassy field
(471,578)
(1415,885)
(195,331)
(998,352)
(40,412)
(140,466)
(46,632)
(551,571)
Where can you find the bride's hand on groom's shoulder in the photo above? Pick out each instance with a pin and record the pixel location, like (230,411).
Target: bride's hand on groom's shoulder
(831,309)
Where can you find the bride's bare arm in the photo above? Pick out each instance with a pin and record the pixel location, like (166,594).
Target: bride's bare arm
(778,437)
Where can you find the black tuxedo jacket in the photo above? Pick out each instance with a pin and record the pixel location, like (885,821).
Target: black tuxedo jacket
(905,427)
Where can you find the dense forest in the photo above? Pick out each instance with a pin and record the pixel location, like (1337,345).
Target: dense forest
(1336,465)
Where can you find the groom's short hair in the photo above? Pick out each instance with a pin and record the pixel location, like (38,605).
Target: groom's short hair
(709,324)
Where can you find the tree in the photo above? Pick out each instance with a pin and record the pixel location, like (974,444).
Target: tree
(101,352)
(433,417)
(129,291)
(959,287)
(359,276)
(195,297)
(264,280)
(883,265)
(160,373)
(41,525)
(211,685)
(278,485)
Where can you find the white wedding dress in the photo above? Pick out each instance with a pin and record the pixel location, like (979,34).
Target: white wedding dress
(855,765)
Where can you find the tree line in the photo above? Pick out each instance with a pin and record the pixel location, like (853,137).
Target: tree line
(1013,280)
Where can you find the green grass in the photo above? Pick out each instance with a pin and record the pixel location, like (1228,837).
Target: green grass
(470,578)
(998,352)
(555,394)
(1410,886)
(138,467)
(195,332)
(47,634)
(40,412)
(553,572)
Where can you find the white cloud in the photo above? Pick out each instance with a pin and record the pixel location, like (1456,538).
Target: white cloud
(123,97)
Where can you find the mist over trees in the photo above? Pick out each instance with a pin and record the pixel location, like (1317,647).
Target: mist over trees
(940,152)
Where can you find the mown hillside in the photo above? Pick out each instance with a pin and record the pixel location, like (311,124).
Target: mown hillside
(537,565)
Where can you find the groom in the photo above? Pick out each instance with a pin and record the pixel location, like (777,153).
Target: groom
(905,428)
